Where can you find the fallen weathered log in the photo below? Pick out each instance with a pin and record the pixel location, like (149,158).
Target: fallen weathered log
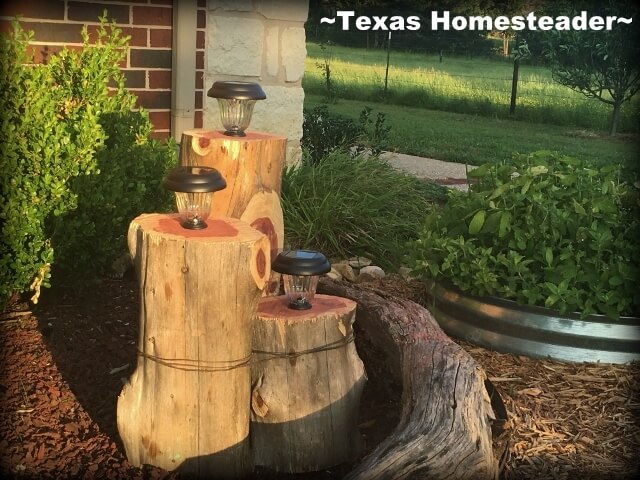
(445,425)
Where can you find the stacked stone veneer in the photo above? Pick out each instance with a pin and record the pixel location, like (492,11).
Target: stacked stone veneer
(147,68)
(260,41)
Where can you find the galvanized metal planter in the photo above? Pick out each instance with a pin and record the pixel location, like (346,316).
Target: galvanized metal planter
(505,326)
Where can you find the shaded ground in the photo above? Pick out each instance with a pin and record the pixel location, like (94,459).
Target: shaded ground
(62,370)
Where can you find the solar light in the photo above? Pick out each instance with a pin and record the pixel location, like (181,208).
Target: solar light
(236,101)
(301,270)
(194,187)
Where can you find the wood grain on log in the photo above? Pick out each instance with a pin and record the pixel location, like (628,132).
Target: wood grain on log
(444,431)
(186,405)
(252,167)
(307,390)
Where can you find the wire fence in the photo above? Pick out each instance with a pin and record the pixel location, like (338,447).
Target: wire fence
(479,86)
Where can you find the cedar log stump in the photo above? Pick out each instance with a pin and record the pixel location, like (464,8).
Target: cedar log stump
(186,405)
(307,384)
(252,166)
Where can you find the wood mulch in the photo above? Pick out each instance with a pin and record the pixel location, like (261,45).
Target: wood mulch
(62,369)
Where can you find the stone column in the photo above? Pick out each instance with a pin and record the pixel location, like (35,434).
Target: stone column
(260,41)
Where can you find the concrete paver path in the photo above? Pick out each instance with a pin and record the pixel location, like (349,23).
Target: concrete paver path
(445,173)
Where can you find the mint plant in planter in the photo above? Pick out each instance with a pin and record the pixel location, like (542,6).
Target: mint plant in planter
(543,231)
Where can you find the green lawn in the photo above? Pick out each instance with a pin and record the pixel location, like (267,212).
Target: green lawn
(476,140)
(480,86)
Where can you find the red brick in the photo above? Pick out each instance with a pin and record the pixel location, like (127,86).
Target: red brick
(40,9)
(147,58)
(162,136)
(202,19)
(199,80)
(54,32)
(200,42)
(198,102)
(41,53)
(160,38)
(200,59)
(152,16)
(90,11)
(138,35)
(160,120)
(135,78)
(153,100)
(160,79)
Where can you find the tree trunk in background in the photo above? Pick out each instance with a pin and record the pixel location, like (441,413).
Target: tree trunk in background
(186,405)
(444,430)
(252,167)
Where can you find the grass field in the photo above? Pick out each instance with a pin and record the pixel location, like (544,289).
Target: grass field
(479,86)
(476,139)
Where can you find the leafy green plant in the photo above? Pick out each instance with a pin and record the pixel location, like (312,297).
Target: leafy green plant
(543,230)
(325,68)
(324,132)
(346,206)
(69,143)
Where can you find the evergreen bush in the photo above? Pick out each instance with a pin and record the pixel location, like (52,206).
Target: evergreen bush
(77,162)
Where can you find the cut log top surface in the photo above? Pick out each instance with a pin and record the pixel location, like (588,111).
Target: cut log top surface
(275,308)
(219,229)
(205,135)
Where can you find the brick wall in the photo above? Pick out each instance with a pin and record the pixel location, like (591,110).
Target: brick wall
(147,71)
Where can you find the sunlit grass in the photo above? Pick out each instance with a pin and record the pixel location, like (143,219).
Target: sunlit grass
(477,86)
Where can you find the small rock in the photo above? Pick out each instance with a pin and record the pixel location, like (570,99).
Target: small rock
(370,273)
(334,275)
(344,269)
(405,273)
(359,262)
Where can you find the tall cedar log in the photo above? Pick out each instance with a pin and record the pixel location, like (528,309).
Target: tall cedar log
(444,430)
(252,166)
(186,406)
(306,391)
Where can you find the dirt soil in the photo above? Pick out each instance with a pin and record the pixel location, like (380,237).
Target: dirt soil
(63,366)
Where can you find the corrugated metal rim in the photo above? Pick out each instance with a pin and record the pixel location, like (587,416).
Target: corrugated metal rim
(505,326)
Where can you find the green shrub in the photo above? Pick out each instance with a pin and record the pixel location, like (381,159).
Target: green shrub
(62,129)
(324,132)
(345,206)
(543,230)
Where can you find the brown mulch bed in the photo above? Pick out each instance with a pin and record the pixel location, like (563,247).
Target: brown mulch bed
(63,368)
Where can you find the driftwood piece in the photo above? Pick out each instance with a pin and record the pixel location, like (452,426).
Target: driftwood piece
(186,405)
(307,389)
(444,430)
(252,167)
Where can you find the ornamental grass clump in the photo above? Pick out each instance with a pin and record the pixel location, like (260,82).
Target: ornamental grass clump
(345,206)
(543,230)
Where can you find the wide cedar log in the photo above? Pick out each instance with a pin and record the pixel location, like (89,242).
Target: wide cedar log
(307,384)
(252,167)
(444,430)
(186,406)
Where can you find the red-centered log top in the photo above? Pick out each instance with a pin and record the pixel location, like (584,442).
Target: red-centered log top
(276,308)
(205,135)
(219,229)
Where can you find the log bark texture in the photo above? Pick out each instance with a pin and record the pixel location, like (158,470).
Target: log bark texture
(444,430)
(186,405)
(307,385)
(252,167)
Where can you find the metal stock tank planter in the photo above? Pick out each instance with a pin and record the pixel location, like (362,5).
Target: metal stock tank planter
(505,326)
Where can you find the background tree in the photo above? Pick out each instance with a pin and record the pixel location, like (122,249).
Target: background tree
(599,64)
